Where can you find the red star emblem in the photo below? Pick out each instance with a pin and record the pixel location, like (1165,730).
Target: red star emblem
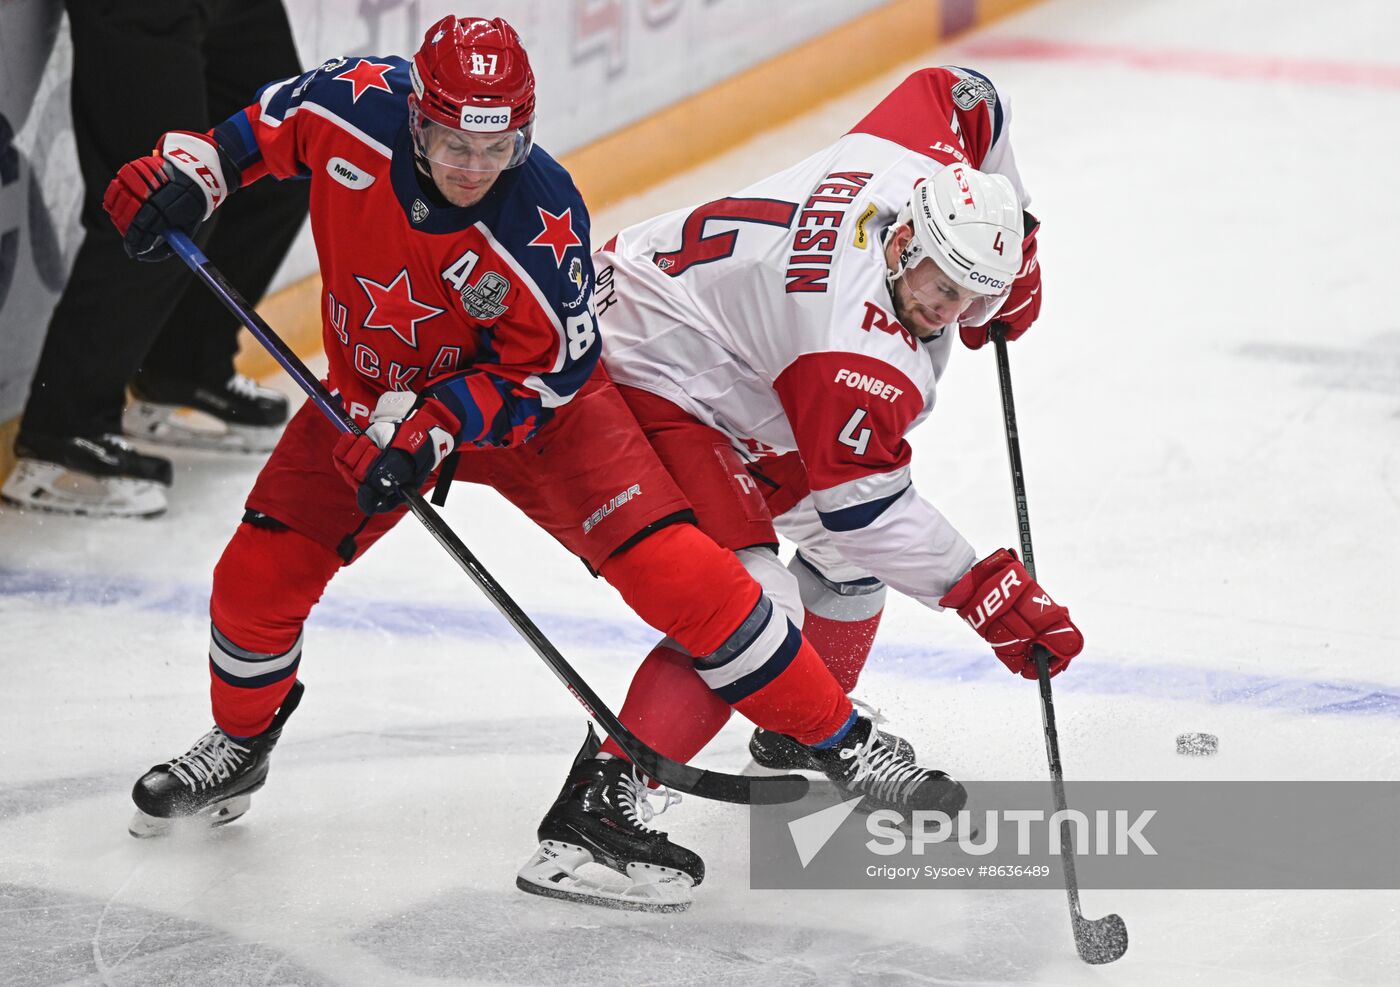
(366,75)
(558,233)
(393,307)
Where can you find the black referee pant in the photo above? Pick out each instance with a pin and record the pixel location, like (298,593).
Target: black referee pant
(140,69)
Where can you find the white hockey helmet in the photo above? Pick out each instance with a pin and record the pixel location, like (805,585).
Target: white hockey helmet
(969,223)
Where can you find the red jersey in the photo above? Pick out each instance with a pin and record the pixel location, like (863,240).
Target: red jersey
(493,300)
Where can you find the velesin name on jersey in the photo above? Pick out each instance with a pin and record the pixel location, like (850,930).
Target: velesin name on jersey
(814,238)
(870,385)
(347,174)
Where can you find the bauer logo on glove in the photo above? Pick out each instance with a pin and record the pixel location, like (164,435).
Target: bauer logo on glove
(1001,602)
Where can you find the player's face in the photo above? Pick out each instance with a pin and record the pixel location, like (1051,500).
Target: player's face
(465,165)
(926,301)
(462,186)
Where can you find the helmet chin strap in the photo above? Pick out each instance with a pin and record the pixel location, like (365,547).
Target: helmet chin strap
(910,255)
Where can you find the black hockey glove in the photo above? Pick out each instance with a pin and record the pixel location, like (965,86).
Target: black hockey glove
(176,188)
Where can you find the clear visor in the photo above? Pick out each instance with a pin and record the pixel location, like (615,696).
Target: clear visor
(943,298)
(973,307)
(932,287)
(465,150)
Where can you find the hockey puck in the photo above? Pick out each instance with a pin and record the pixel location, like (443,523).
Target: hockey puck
(1197,744)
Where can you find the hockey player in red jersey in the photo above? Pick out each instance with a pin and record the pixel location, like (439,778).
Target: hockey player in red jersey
(460,328)
(794,332)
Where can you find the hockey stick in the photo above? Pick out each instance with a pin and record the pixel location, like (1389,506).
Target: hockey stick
(682,777)
(1100,940)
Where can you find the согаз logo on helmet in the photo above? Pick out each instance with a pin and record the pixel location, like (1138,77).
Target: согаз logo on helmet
(485,120)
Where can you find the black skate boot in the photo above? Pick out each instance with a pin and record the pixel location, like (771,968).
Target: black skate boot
(98,476)
(598,818)
(863,763)
(239,415)
(780,752)
(214,780)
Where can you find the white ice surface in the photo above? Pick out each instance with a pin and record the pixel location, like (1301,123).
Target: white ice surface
(1210,419)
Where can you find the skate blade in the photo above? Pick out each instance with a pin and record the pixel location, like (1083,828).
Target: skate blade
(186,428)
(41,486)
(144,827)
(553,873)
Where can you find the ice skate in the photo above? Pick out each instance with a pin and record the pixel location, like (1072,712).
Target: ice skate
(779,752)
(101,476)
(864,763)
(599,819)
(240,416)
(212,782)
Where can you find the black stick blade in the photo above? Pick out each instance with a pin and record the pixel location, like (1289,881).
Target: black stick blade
(1100,940)
(776,789)
(714,785)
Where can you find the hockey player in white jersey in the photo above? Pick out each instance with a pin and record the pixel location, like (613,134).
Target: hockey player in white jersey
(777,346)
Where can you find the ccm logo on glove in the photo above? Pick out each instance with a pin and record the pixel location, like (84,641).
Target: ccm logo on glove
(175,188)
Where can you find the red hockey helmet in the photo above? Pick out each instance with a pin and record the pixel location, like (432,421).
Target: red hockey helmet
(473,102)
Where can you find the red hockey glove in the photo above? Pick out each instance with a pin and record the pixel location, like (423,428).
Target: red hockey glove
(177,187)
(1022,304)
(1000,601)
(409,435)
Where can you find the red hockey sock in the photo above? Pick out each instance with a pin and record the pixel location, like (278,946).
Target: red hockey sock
(843,644)
(670,708)
(683,584)
(264,587)
(804,701)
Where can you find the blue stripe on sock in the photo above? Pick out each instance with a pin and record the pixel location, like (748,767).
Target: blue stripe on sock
(743,637)
(256,681)
(838,736)
(742,688)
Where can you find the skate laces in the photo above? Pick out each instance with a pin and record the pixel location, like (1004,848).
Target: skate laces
(635,803)
(211,760)
(244,387)
(118,442)
(890,777)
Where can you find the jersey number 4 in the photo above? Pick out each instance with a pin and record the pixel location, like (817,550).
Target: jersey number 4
(697,248)
(853,435)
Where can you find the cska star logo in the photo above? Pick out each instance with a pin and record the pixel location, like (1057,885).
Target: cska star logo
(558,233)
(366,75)
(393,307)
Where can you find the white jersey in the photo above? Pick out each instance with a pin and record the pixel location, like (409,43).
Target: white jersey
(767,315)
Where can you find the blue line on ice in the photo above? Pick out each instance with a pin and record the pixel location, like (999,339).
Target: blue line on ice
(632,639)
